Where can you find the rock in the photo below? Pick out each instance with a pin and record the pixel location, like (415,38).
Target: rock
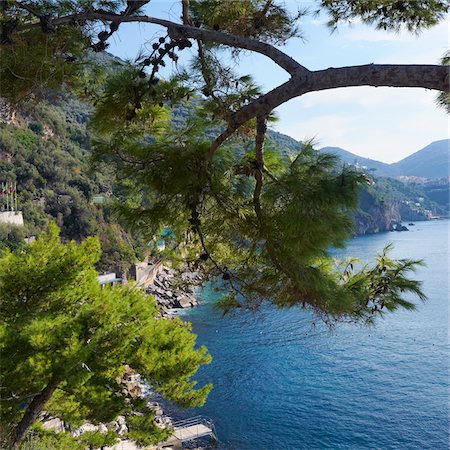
(156,408)
(102,428)
(400,227)
(84,428)
(184,301)
(163,421)
(54,424)
(122,425)
(112,426)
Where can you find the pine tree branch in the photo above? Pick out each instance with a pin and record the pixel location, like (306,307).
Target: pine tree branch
(185,12)
(302,80)
(261,129)
(180,31)
(29,9)
(433,77)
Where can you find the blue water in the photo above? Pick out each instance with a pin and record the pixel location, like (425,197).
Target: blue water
(280,383)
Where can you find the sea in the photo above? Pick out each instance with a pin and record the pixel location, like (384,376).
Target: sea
(282,381)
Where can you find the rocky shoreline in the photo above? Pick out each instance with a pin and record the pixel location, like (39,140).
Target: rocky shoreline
(172,290)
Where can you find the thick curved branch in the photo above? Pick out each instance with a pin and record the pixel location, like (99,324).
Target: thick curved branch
(179,31)
(390,75)
(430,76)
(220,140)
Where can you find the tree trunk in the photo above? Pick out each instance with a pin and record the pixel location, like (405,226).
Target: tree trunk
(32,412)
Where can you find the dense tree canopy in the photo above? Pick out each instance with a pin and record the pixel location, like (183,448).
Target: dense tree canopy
(239,210)
(65,341)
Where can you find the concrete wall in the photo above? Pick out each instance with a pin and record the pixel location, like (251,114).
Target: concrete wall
(12,217)
(146,271)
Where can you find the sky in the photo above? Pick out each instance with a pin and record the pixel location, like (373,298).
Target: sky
(386,124)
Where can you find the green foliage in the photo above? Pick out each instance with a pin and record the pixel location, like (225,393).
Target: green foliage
(443,99)
(265,227)
(95,439)
(273,247)
(41,439)
(127,97)
(387,14)
(117,251)
(59,324)
(36,127)
(382,286)
(142,426)
(258,19)
(36,61)
(11,236)
(49,160)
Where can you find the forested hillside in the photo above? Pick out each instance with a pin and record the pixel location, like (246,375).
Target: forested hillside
(45,148)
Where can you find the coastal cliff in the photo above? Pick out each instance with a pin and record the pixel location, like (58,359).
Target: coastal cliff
(375,216)
(388,202)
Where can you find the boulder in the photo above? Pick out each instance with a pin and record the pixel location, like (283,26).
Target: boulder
(84,428)
(184,301)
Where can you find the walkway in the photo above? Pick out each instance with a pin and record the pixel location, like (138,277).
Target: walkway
(190,430)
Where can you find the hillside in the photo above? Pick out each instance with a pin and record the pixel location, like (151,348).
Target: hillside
(378,168)
(45,148)
(430,162)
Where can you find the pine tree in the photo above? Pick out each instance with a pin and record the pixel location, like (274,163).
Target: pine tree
(65,341)
(238,210)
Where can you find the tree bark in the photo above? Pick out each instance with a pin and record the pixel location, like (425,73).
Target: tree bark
(32,412)
(261,129)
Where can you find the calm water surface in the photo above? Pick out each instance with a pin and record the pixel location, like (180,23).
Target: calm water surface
(280,383)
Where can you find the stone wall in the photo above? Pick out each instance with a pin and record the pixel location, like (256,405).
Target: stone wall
(12,217)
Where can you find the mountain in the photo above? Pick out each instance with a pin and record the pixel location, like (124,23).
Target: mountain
(380,168)
(45,148)
(430,162)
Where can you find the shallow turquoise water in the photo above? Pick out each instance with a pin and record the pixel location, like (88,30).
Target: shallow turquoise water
(280,383)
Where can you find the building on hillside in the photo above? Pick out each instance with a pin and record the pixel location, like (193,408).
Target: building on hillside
(109,278)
